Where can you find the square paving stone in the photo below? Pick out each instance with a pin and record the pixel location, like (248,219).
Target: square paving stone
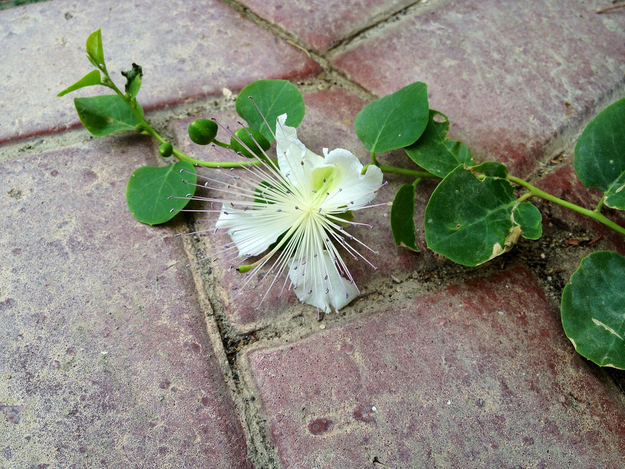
(477,375)
(509,77)
(328,124)
(188,50)
(106,357)
(320,24)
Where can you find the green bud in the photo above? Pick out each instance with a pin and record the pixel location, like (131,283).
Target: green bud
(166,149)
(243,135)
(245,268)
(140,128)
(203,131)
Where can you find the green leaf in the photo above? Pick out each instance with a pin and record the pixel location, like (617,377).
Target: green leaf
(273,98)
(592,309)
(150,187)
(473,216)
(402,217)
(133,80)
(90,79)
(394,121)
(434,152)
(600,155)
(529,219)
(107,114)
(95,51)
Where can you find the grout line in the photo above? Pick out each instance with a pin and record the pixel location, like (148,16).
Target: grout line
(417,8)
(227,343)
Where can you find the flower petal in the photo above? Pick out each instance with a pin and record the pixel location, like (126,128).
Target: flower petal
(252,231)
(340,291)
(356,188)
(291,152)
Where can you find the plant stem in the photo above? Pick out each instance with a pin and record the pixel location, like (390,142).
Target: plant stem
(408,172)
(524,197)
(132,104)
(610,8)
(584,211)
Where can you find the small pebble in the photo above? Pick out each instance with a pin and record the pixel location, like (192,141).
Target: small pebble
(323,326)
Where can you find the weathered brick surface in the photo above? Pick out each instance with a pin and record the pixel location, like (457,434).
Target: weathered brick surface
(509,77)
(477,375)
(320,24)
(106,357)
(188,50)
(328,123)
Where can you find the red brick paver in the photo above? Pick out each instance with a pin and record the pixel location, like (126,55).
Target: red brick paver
(106,358)
(188,50)
(321,24)
(477,375)
(510,76)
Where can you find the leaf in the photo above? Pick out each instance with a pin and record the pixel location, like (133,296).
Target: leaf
(402,217)
(95,51)
(273,98)
(107,114)
(600,155)
(133,80)
(434,152)
(530,220)
(592,309)
(90,79)
(149,187)
(394,121)
(473,216)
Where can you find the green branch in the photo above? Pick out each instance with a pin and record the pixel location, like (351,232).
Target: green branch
(595,215)
(407,172)
(132,104)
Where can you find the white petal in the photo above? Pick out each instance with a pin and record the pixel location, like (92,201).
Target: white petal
(249,231)
(341,291)
(291,152)
(356,187)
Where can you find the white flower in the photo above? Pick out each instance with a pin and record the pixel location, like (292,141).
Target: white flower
(298,211)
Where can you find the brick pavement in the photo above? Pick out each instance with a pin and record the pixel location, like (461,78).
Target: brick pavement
(115,354)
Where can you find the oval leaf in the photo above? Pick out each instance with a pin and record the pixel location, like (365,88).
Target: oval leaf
(95,51)
(592,309)
(90,79)
(273,98)
(436,153)
(600,155)
(107,114)
(394,121)
(472,215)
(402,217)
(149,187)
